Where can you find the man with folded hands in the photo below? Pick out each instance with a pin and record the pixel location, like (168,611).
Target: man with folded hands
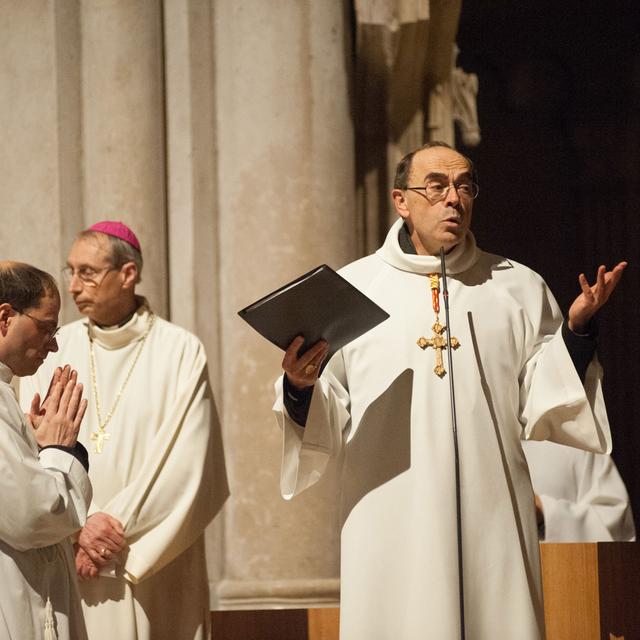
(45,490)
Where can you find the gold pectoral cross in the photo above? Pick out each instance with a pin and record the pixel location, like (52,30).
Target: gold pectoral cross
(439,343)
(99,437)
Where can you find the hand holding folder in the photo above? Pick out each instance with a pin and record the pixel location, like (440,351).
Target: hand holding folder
(319,305)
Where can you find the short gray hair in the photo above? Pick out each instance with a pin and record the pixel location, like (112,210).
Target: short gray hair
(121,251)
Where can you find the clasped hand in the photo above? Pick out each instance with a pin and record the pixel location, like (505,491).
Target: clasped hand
(101,538)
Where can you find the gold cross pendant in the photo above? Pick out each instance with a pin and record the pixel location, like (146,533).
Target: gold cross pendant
(99,437)
(439,343)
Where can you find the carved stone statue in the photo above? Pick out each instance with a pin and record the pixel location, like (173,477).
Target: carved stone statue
(454,101)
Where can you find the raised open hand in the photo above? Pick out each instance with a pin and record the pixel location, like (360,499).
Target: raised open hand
(593,296)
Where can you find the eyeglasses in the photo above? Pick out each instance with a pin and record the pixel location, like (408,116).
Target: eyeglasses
(86,275)
(436,191)
(44,326)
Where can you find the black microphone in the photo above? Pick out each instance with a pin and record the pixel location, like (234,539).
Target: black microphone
(454,428)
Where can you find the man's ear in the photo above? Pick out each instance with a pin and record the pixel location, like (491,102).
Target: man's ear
(400,203)
(129,273)
(6,312)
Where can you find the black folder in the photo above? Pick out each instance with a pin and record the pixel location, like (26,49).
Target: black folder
(319,304)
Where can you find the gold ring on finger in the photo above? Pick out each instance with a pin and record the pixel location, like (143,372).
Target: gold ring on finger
(309,369)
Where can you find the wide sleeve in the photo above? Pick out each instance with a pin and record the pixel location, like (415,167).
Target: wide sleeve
(44,499)
(182,482)
(307,450)
(554,403)
(600,511)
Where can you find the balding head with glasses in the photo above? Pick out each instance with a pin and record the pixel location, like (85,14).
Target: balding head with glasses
(434,190)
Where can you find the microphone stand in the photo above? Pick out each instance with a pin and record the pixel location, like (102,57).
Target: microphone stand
(456,456)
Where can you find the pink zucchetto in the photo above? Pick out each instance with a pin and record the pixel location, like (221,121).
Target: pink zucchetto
(117,230)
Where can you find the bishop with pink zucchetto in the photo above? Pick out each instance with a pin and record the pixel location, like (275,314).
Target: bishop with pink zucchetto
(156,460)
(117,230)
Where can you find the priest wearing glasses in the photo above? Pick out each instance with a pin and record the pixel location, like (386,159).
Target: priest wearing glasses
(153,437)
(43,469)
(383,404)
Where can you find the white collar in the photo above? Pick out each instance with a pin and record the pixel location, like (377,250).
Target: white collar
(117,337)
(462,257)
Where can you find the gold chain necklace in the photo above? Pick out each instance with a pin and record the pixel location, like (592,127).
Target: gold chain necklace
(100,436)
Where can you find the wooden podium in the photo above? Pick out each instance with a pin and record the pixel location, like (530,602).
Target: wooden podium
(591,590)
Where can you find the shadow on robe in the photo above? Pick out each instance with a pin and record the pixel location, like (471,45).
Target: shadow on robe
(162,600)
(482,270)
(380,450)
(486,389)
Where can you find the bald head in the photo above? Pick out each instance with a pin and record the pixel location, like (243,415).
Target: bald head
(403,170)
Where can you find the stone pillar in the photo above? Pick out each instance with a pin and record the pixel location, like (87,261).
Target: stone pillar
(123,127)
(192,205)
(286,198)
(191,173)
(40,155)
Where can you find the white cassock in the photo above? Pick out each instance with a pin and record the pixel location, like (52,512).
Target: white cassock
(380,401)
(583,496)
(161,474)
(45,498)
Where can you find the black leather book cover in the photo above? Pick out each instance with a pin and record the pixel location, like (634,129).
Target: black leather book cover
(319,304)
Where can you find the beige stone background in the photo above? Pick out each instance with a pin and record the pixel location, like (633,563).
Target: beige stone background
(245,142)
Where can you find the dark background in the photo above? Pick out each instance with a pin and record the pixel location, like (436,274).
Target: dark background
(559,166)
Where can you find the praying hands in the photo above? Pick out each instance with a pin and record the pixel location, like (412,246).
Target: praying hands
(57,420)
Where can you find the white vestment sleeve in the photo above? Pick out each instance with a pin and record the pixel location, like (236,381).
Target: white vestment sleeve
(600,510)
(46,497)
(182,483)
(306,450)
(555,404)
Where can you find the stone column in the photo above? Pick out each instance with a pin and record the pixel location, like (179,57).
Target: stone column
(192,205)
(286,204)
(40,190)
(123,127)
(191,173)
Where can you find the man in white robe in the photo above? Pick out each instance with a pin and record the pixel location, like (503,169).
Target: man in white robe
(154,442)
(45,486)
(381,402)
(580,496)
